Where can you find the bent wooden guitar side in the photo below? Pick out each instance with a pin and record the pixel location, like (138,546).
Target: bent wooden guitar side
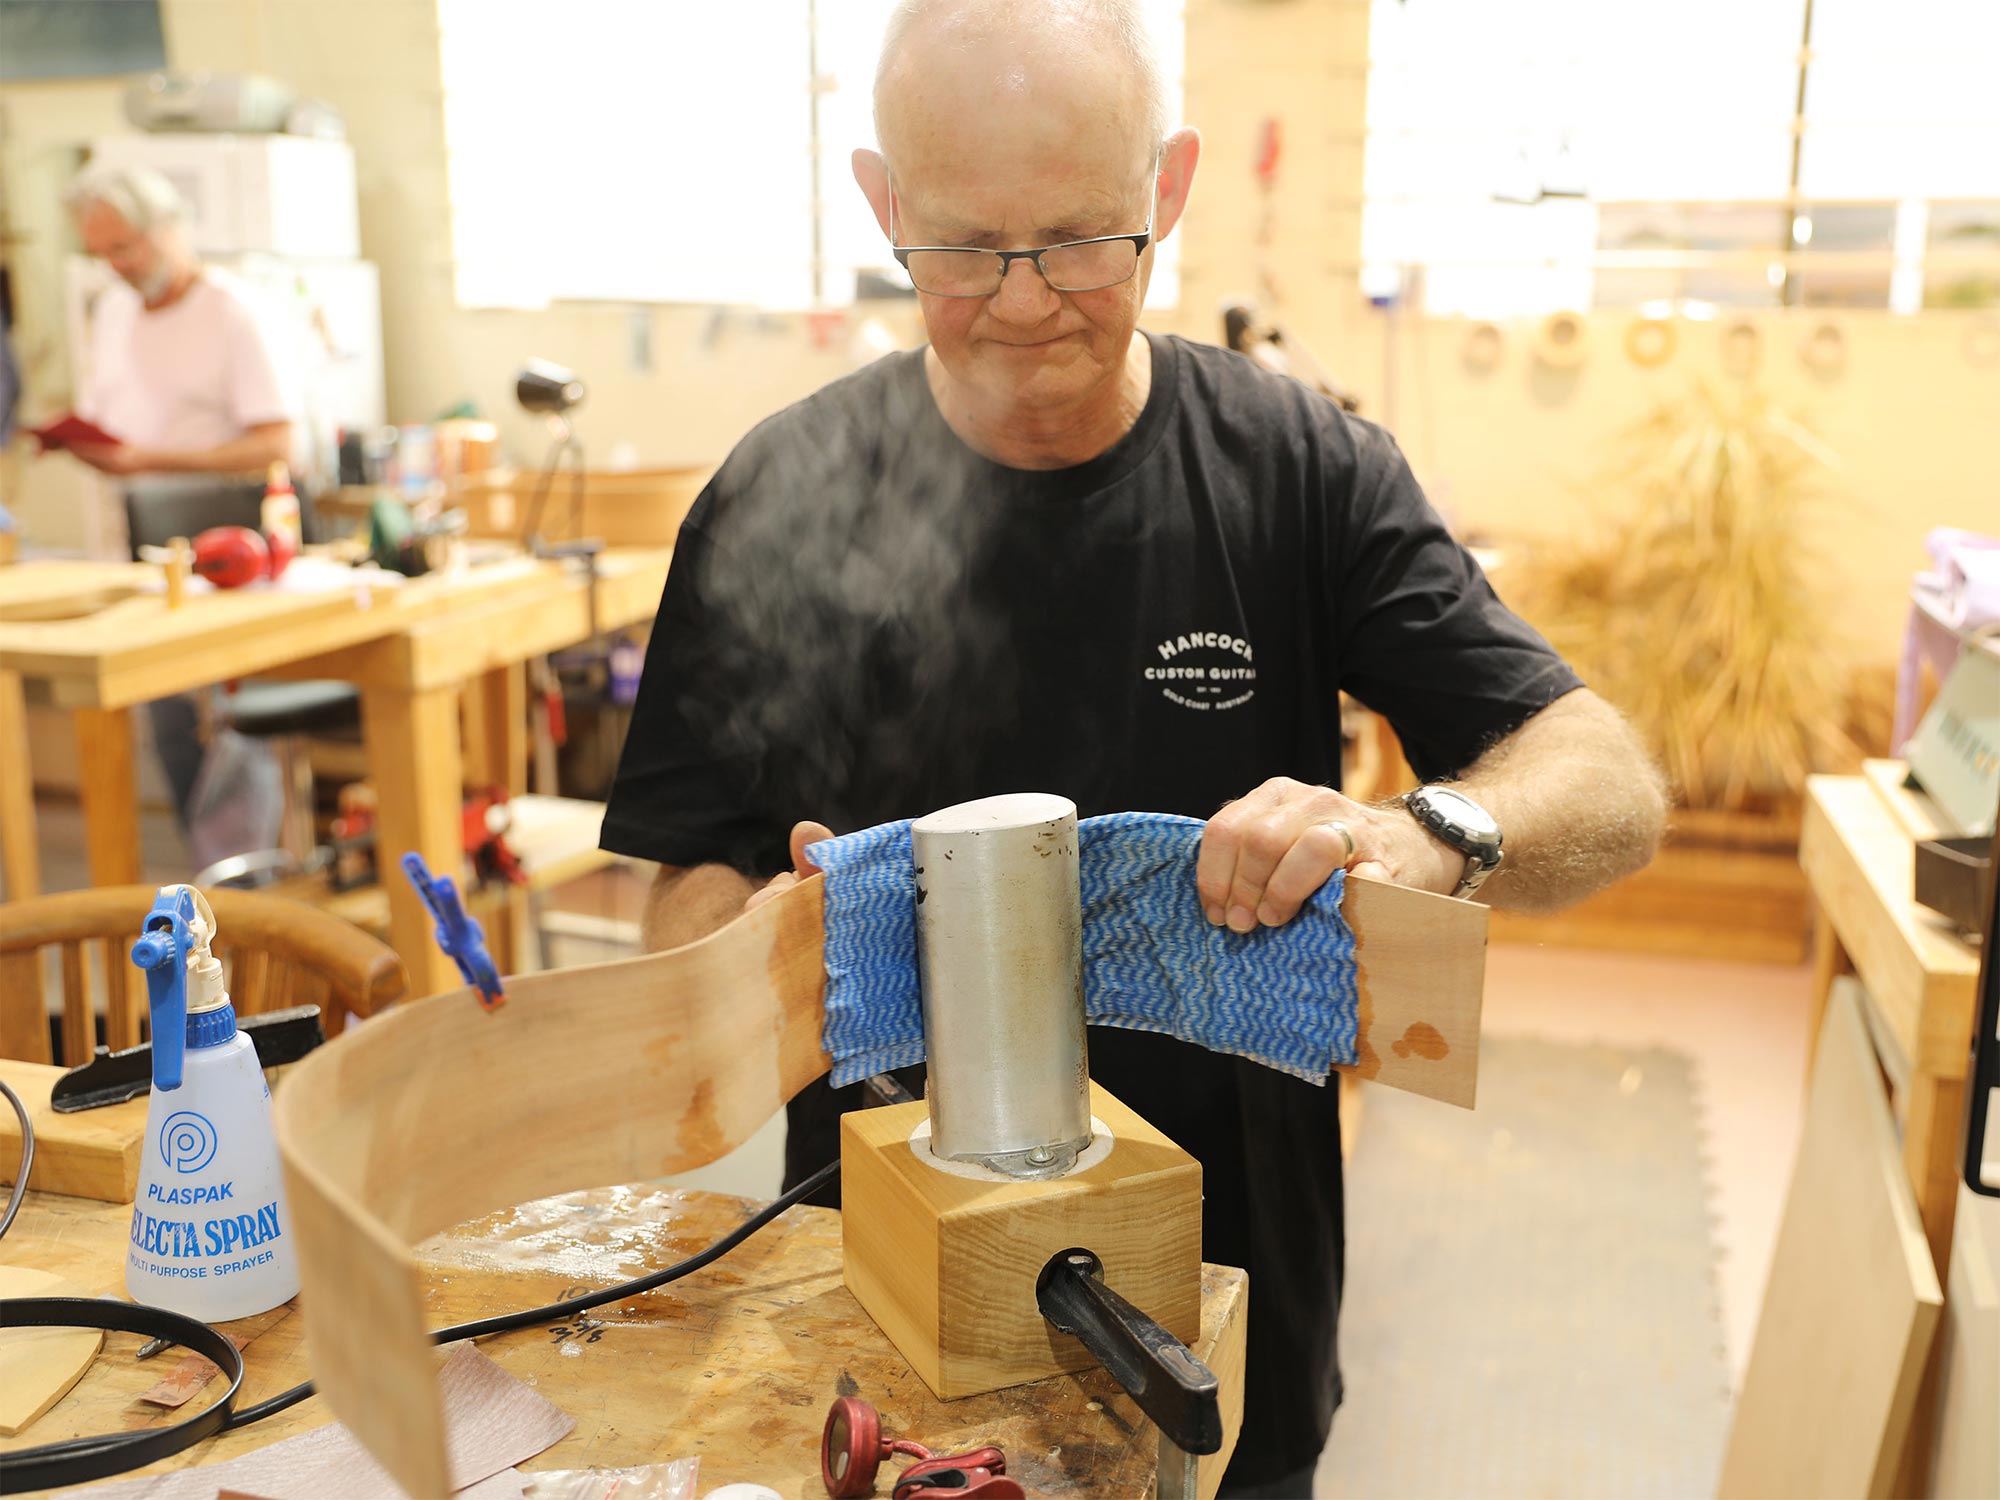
(436,1112)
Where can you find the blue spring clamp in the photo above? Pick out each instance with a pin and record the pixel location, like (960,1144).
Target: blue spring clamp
(457,934)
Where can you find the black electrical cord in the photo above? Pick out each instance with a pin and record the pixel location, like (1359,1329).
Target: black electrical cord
(27,1160)
(55,1464)
(77,1460)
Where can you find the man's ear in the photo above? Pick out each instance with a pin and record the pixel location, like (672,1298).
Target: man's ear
(872,172)
(1178,157)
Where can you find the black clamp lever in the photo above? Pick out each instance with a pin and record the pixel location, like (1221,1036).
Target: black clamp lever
(1178,1391)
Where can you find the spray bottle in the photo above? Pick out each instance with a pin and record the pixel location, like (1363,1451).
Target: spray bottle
(210,1235)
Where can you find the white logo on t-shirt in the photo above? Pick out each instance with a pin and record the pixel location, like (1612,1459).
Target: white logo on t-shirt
(1207,670)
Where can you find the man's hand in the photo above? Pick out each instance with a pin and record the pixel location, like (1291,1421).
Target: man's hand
(1264,855)
(802,834)
(115,458)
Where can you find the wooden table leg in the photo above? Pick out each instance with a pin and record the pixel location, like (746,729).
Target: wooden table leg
(20,858)
(110,796)
(497,704)
(414,761)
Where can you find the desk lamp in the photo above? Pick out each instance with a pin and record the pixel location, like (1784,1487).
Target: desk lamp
(551,391)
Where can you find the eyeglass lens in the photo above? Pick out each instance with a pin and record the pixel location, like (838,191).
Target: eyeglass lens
(1068,268)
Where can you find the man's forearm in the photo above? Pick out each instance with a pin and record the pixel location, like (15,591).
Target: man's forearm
(1579,801)
(686,904)
(254,450)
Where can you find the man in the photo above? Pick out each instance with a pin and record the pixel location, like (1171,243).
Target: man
(179,371)
(1043,554)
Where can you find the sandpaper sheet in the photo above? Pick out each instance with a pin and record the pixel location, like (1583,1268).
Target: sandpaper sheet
(492,1422)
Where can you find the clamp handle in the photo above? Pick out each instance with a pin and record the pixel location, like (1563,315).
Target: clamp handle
(1178,1391)
(457,934)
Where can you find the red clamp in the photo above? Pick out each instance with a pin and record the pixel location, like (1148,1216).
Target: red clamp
(852,1449)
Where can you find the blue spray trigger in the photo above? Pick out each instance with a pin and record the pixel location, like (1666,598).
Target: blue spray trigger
(457,934)
(161,950)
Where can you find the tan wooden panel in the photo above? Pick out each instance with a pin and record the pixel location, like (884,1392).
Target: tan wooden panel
(1861,863)
(1967,1457)
(38,1365)
(91,1154)
(1852,1301)
(1422,962)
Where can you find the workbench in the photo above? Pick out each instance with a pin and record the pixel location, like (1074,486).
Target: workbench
(737,1363)
(411,649)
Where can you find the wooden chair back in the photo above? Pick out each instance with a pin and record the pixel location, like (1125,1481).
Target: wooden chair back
(275,953)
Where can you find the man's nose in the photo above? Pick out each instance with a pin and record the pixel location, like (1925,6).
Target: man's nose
(1024,296)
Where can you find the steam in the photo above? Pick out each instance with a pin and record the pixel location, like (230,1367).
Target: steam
(837,629)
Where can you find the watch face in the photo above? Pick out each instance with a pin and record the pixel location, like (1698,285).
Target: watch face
(1464,812)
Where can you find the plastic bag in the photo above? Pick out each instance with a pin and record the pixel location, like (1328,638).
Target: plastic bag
(669,1481)
(238,802)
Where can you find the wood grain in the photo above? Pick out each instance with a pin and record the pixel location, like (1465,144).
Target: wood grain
(413,747)
(1852,1301)
(91,1154)
(1967,1457)
(20,856)
(1861,862)
(438,1111)
(736,1364)
(39,1365)
(947,1265)
(109,794)
(1422,961)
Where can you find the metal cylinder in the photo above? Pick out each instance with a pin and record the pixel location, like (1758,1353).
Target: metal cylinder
(1000,954)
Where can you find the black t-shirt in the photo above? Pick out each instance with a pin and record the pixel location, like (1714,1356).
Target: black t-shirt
(866,621)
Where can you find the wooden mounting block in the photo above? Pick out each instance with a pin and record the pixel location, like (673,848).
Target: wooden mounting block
(947,1265)
(436,1112)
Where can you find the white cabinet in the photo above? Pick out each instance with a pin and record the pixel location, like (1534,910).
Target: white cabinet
(283,195)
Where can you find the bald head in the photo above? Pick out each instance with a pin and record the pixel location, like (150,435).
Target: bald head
(1070,58)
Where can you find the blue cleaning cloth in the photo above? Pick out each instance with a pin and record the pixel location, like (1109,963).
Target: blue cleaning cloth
(1285,996)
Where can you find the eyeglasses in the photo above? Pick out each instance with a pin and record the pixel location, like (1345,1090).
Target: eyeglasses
(1073,266)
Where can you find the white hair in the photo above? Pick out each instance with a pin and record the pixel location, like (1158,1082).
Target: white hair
(1122,23)
(139,195)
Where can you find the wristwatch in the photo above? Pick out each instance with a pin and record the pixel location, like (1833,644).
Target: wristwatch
(1465,825)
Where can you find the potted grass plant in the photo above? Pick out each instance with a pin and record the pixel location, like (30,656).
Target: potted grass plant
(1699,605)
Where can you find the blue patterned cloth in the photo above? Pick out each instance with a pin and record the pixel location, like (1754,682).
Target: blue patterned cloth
(1285,997)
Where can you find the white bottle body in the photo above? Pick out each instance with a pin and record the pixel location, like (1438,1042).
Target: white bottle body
(210,1235)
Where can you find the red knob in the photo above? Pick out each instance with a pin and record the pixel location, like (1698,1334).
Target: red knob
(850,1449)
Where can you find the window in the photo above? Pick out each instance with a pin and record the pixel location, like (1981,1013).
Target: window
(1560,153)
(665,152)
